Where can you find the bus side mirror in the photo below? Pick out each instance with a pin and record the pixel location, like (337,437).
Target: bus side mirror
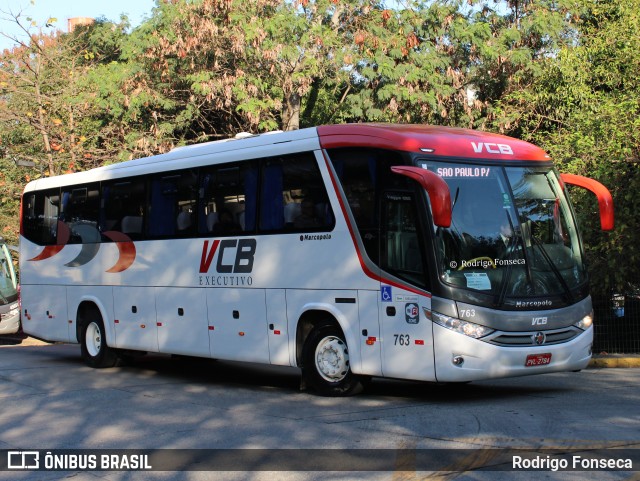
(605,201)
(438,191)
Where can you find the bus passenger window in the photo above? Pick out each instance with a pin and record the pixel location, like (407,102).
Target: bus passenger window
(40,216)
(124,207)
(173,204)
(80,207)
(293,195)
(357,171)
(227,199)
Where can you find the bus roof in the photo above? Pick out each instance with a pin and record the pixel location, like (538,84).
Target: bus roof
(432,140)
(225,150)
(429,140)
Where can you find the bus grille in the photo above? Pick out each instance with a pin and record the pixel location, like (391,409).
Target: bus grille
(555,336)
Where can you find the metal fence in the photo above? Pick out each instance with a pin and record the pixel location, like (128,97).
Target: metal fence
(617,323)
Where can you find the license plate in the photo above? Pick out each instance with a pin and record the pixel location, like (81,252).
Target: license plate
(538,360)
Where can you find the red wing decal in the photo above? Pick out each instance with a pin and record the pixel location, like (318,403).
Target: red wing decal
(50,251)
(126,250)
(47,252)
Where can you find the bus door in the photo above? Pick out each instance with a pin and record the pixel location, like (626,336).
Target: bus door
(407,336)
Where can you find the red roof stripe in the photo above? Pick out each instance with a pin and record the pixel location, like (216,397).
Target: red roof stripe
(445,141)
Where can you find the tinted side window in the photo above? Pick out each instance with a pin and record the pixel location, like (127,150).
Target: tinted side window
(40,216)
(124,207)
(172,208)
(402,252)
(228,199)
(364,175)
(79,211)
(293,196)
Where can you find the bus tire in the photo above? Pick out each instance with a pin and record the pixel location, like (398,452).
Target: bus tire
(94,347)
(326,367)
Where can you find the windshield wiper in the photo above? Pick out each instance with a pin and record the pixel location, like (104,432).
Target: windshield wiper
(511,248)
(554,269)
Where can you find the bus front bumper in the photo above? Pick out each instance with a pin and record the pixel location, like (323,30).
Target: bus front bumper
(459,358)
(10,322)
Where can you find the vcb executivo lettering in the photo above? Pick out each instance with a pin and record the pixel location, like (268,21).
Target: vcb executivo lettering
(245,250)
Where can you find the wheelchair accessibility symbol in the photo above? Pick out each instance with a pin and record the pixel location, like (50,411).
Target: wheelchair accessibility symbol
(385,293)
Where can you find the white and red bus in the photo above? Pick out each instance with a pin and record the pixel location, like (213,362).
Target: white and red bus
(350,251)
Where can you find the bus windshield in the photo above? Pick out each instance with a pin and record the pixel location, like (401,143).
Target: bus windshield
(512,232)
(8,284)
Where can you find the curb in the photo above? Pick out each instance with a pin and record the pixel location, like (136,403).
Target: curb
(615,360)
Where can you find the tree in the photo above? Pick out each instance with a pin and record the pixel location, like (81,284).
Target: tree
(402,64)
(584,108)
(27,85)
(44,104)
(447,63)
(230,65)
(12,180)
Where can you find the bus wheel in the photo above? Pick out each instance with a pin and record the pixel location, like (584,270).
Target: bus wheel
(326,366)
(94,347)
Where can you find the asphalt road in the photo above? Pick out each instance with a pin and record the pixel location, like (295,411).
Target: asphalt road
(49,400)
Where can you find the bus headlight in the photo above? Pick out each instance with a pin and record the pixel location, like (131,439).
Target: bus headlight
(462,327)
(586,322)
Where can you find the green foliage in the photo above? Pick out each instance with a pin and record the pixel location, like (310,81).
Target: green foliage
(561,73)
(584,109)
(11,181)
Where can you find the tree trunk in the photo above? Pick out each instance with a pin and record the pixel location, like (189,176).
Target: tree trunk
(291,112)
(312,99)
(43,130)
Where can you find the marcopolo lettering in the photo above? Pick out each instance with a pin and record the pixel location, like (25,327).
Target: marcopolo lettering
(536,303)
(235,256)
